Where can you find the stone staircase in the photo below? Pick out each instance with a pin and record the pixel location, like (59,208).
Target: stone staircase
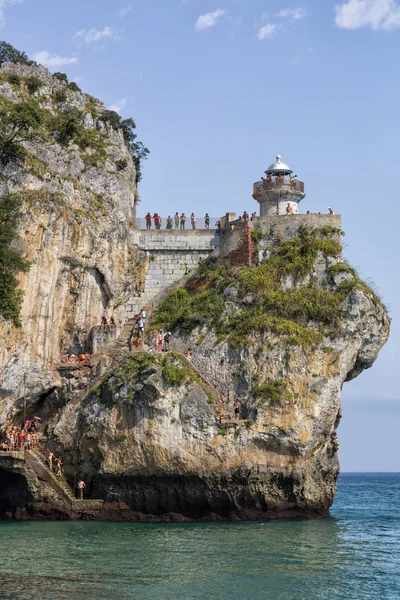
(37,460)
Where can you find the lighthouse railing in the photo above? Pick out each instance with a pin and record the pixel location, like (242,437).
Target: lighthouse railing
(279,185)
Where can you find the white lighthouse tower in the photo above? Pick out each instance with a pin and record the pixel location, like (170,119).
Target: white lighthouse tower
(280,192)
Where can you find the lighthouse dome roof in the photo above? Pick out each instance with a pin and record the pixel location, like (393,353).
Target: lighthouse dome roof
(278,167)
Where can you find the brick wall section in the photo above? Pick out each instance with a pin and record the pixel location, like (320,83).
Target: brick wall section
(238,248)
(237,245)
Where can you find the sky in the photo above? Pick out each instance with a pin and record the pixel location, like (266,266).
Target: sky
(217,89)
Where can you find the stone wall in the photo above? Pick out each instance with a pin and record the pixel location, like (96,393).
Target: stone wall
(168,253)
(236,242)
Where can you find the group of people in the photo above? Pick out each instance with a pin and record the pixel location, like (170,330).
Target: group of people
(22,437)
(273,180)
(179,221)
(71,359)
(55,464)
(161,340)
(108,323)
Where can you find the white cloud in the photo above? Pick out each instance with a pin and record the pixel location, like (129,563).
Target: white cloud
(93,35)
(3,6)
(209,19)
(54,60)
(124,11)
(294,14)
(118,105)
(267,31)
(376,14)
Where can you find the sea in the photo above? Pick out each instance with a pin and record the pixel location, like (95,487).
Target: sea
(354,554)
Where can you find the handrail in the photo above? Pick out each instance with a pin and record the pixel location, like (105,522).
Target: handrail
(278,184)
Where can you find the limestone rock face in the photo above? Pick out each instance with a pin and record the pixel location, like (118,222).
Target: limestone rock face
(74,230)
(152,445)
(161,450)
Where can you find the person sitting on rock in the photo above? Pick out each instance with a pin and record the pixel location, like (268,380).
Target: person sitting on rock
(104,322)
(112,321)
(289,209)
(331,211)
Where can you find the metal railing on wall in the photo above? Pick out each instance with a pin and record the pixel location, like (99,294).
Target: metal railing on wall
(200,224)
(279,184)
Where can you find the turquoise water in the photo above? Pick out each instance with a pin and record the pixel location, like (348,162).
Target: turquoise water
(355,554)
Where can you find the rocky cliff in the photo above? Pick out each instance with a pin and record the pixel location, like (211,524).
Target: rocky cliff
(156,437)
(155,440)
(77,183)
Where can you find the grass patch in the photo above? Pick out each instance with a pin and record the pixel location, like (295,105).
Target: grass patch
(273,392)
(301,315)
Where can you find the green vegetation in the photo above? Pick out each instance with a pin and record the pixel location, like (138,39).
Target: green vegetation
(173,420)
(65,127)
(33,84)
(60,96)
(121,164)
(91,105)
(11,263)
(14,79)
(61,77)
(273,392)
(137,149)
(19,122)
(9,54)
(301,315)
(249,424)
(74,87)
(176,374)
(342,267)
(129,369)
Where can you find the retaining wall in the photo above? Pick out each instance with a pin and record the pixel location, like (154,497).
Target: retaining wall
(168,252)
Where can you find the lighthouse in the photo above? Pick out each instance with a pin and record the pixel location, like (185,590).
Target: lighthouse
(280,192)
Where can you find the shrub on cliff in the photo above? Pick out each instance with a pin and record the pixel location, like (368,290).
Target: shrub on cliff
(11,263)
(9,54)
(301,314)
(19,122)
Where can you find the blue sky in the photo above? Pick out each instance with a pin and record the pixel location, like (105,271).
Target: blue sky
(217,88)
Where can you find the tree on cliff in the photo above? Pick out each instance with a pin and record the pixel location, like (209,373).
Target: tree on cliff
(137,149)
(10,54)
(11,263)
(19,122)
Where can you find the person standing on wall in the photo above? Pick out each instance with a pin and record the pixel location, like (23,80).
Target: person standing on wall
(183,220)
(176,219)
(193,220)
(148,218)
(207,220)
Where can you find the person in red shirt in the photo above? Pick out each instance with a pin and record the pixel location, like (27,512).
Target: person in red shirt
(148,218)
